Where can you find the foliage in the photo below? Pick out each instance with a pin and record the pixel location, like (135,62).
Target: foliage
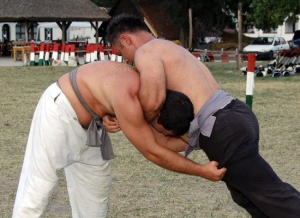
(268,13)
(216,14)
(213,14)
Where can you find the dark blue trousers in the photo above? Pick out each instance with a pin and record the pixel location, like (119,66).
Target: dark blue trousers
(252,182)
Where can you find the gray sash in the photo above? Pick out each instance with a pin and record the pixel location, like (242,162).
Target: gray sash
(94,136)
(204,121)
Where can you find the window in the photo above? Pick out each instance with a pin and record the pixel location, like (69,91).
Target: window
(289,25)
(20,32)
(5,33)
(282,40)
(48,34)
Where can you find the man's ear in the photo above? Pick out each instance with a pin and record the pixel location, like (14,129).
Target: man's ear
(125,39)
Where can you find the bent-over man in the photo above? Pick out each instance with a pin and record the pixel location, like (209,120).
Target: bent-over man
(224,127)
(67,131)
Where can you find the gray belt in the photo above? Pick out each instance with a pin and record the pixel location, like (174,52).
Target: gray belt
(94,137)
(204,121)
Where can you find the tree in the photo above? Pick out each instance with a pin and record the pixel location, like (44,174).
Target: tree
(213,14)
(216,15)
(270,14)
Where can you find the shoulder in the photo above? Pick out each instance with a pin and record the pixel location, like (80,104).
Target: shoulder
(156,43)
(151,50)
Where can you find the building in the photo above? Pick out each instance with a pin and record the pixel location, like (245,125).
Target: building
(10,31)
(286,30)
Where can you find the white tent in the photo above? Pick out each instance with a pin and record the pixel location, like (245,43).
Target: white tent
(73,25)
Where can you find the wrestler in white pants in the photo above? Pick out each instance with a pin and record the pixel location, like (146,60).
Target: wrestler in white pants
(57,140)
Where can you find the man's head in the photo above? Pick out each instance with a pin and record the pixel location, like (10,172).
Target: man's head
(176,113)
(121,31)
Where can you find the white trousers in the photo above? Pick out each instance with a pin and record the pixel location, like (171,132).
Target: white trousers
(57,140)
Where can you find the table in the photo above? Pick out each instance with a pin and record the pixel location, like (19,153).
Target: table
(22,49)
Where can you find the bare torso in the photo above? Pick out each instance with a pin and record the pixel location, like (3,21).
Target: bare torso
(99,84)
(184,73)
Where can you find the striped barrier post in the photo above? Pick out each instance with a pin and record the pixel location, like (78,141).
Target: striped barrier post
(47,55)
(32,54)
(250,79)
(198,56)
(41,55)
(88,54)
(95,52)
(72,50)
(119,58)
(92,51)
(62,52)
(55,52)
(66,54)
(73,53)
(102,57)
(113,56)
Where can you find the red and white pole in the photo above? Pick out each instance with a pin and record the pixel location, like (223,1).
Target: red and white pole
(66,55)
(32,54)
(92,50)
(250,79)
(102,57)
(95,53)
(55,52)
(47,55)
(88,54)
(62,53)
(113,56)
(41,55)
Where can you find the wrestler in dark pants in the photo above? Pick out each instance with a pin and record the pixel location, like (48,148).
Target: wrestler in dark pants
(250,179)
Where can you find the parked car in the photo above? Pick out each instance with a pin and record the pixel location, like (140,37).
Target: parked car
(265,47)
(295,43)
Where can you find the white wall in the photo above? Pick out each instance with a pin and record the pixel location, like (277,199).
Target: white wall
(285,30)
(56,33)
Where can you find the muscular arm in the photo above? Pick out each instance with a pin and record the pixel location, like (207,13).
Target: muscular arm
(152,92)
(173,143)
(131,120)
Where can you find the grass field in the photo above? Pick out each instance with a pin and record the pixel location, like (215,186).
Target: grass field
(140,188)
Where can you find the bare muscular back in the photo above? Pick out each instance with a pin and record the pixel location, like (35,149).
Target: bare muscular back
(183,72)
(99,84)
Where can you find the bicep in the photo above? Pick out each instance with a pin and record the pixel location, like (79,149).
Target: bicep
(133,124)
(152,91)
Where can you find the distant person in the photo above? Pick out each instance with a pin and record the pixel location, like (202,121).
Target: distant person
(224,127)
(67,131)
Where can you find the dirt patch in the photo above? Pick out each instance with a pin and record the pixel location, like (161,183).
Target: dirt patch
(230,42)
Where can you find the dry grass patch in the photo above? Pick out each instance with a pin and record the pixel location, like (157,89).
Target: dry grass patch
(140,188)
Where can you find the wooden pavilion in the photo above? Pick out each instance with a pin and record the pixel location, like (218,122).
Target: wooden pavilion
(63,12)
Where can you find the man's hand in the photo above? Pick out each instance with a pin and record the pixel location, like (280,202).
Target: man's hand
(212,173)
(110,123)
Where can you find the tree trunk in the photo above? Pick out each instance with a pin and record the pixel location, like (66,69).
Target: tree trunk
(240,34)
(191,29)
